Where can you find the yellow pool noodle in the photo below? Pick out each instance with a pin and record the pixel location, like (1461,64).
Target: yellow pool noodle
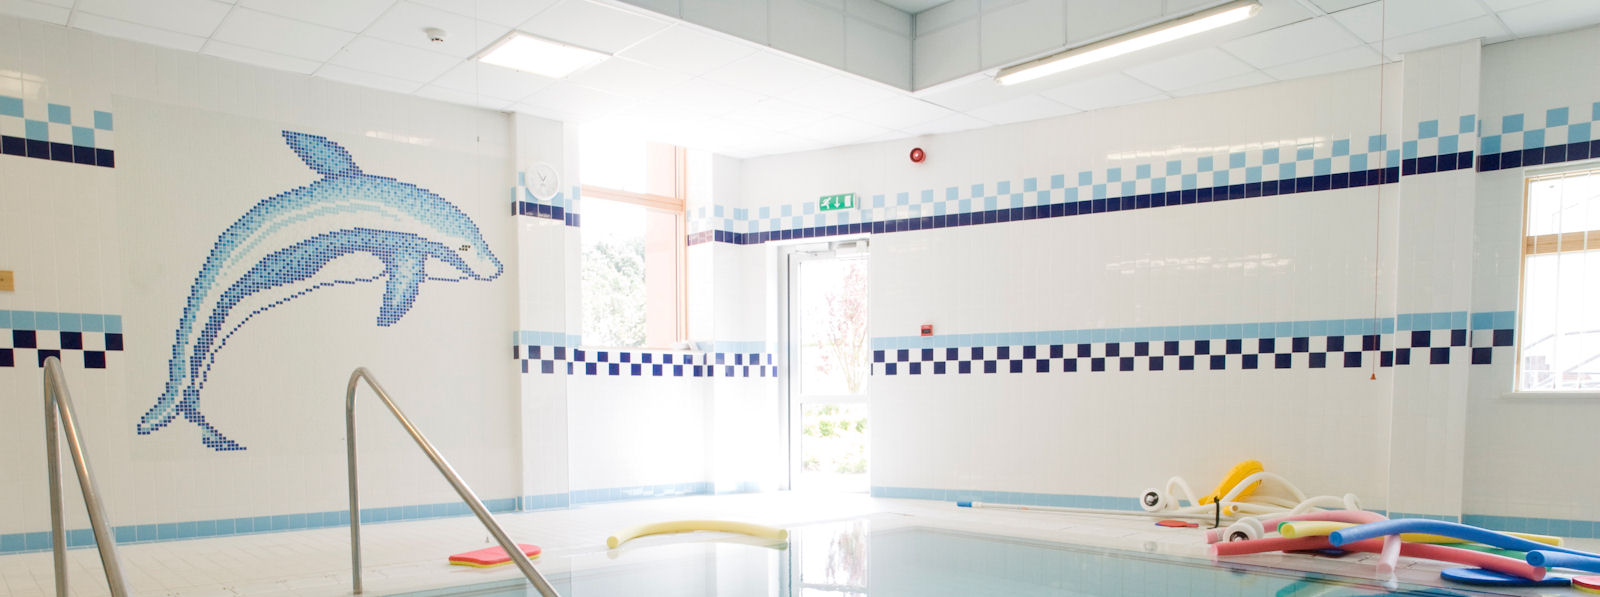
(1312,528)
(685,526)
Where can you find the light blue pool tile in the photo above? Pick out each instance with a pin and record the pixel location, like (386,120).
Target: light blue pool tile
(5,319)
(1466,124)
(1578,133)
(58,113)
(114,324)
(1409,149)
(1427,129)
(1176,167)
(1442,321)
(1358,162)
(1458,320)
(1448,144)
(102,120)
(1377,143)
(10,106)
(1533,139)
(124,534)
(1511,123)
(69,322)
(1404,321)
(1555,117)
(45,320)
(1341,147)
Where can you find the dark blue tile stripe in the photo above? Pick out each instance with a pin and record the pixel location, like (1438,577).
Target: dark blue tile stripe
(544,210)
(1305,184)
(1554,154)
(57,152)
(633,363)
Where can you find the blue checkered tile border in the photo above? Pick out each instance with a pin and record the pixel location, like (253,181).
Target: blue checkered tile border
(642,363)
(1421,338)
(56,132)
(562,207)
(1562,134)
(33,336)
(1439,146)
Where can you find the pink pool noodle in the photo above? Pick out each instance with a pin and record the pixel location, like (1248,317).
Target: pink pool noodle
(1425,551)
(1271,524)
(1389,557)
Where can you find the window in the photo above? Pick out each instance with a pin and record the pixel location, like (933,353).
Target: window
(633,243)
(1559,345)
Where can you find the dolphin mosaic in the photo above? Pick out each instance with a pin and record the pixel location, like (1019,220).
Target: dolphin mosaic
(307,239)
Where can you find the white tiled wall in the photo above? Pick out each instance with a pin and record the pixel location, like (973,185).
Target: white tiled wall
(198,144)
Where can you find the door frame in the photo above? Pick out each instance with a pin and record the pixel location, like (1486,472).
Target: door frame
(789,259)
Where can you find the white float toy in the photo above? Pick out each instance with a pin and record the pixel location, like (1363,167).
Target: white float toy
(1247,490)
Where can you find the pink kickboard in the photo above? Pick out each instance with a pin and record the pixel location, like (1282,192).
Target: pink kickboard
(492,556)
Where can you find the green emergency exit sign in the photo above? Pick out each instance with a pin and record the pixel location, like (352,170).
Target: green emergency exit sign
(833,202)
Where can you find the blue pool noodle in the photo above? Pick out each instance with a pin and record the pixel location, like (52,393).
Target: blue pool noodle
(963,504)
(1447,529)
(1558,559)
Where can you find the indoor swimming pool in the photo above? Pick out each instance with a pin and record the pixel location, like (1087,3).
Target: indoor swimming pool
(853,559)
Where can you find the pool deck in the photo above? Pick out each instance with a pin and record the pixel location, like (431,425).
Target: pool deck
(409,556)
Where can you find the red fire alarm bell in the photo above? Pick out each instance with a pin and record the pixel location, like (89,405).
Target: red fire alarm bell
(917,155)
(927,329)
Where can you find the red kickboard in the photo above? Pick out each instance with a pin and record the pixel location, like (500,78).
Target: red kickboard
(492,556)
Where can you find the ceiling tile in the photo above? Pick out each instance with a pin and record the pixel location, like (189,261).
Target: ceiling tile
(973,93)
(626,77)
(189,17)
(1394,18)
(1485,27)
(586,24)
(279,35)
(257,57)
(700,96)
(769,73)
(346,15)
(1503,5)
(1093,19)
(463,36)
(1249,79)
(686,50)
(899,112)
(1342,60)
(1113,89)
(508,13)
(1551,16)
(38,11)
(839,130)
(476,78)
(1190,69)
(840,93)
(135,32)
(1022,109)
(456,96)
(948,124)
(1291,43)
(393,60)
(1338,5)
(366,79)
(579,101)
(776,114)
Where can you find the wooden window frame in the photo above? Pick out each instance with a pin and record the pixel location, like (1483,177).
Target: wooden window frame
(676,205)
(1546,244)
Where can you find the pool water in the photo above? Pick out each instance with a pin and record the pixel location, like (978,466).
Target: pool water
(849,559)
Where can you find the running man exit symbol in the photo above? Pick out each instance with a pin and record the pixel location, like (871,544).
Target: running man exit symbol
(833,202)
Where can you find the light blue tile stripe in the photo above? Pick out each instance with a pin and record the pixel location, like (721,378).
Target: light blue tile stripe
(640,492)
(195,529)
(1009,497)
(1547,526)
(1228,331)
(66,322)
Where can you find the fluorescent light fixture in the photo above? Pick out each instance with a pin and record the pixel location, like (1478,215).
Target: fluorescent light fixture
(520,51)
(1153,35)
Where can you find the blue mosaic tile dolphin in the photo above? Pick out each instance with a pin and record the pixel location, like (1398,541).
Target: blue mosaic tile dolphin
(297,242)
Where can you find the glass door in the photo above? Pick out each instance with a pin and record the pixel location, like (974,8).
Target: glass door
(829,360)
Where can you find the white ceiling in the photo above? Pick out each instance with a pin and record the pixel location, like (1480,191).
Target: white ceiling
(913,6)
(676,82)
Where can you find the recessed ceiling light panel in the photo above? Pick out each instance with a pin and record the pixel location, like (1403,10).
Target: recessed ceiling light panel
(1155,35)
(520,51)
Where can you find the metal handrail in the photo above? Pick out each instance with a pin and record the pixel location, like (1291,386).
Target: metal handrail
(517,557)
(58,401)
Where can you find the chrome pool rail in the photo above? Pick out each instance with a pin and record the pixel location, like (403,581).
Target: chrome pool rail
(517,557)
(58,402)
